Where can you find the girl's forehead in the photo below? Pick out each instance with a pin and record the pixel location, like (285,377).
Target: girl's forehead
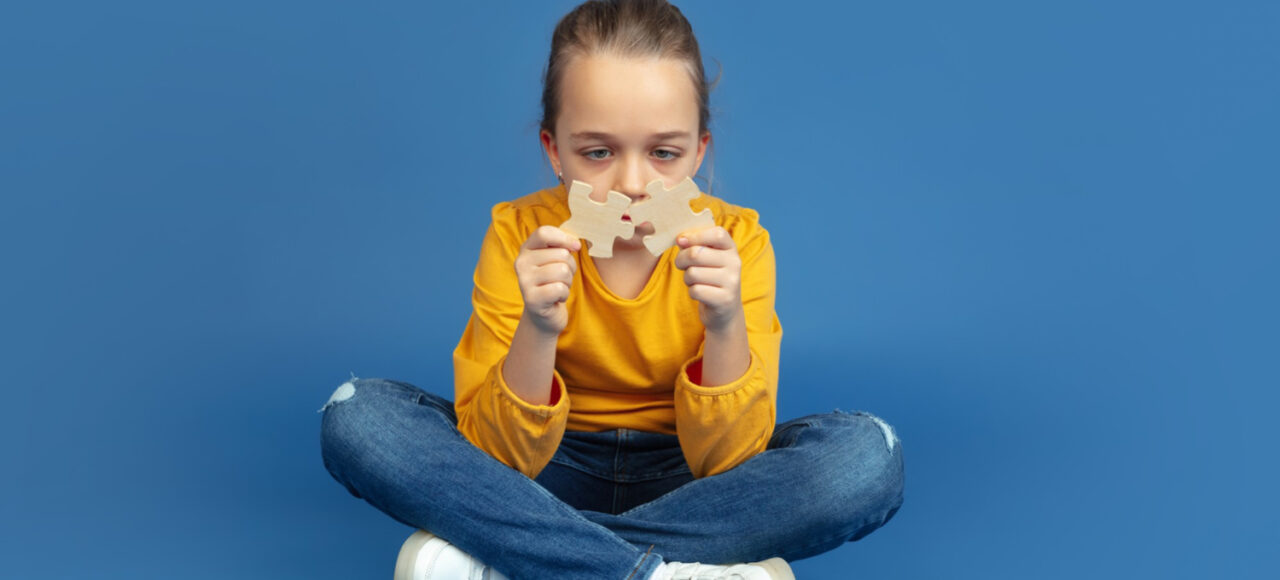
(609,93)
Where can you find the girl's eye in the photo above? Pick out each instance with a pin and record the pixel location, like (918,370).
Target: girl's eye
(665,154)
(597,154)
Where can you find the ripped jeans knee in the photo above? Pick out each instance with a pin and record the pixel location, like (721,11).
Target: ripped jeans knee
(345,391)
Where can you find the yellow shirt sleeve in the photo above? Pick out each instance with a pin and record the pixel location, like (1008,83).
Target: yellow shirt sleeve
(720,427)
(521,435)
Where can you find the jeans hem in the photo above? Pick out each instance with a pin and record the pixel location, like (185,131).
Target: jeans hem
(640,568)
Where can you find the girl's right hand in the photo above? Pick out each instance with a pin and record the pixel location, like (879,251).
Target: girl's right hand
(545,269)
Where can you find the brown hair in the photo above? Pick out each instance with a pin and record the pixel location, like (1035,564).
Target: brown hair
(624,28)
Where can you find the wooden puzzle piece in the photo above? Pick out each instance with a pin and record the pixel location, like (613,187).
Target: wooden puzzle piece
(669,212)
(597,223)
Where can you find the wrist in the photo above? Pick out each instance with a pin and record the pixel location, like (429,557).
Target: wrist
(730,325)
(540,327)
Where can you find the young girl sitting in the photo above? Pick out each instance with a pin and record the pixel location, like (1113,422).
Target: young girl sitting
(615,417)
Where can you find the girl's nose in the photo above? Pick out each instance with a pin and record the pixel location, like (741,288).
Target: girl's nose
(631,179)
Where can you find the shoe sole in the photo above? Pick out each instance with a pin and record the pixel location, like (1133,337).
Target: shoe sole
(778,569)
(409,554)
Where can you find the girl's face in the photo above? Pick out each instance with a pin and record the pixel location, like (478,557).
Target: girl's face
(623,123)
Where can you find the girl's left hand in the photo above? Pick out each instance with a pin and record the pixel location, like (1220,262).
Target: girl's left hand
(713,273)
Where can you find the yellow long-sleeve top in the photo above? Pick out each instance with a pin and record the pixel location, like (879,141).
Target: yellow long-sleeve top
(620,363)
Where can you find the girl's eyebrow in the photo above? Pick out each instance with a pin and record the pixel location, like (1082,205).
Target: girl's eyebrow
(590,136)
(599,136)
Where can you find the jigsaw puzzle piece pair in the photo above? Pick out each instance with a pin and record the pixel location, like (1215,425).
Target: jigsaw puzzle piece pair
(667,209)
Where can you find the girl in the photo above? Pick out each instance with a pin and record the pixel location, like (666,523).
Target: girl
(615,417)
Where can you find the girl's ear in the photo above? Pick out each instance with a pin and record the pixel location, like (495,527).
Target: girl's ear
(553,152)
(702,151)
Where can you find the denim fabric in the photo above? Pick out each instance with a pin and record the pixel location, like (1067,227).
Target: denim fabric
(612,504)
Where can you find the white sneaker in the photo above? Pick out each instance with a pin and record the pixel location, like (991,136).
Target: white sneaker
(427,557)
(771,569)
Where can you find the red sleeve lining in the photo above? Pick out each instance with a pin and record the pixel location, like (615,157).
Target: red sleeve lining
(555,391)
(695,372)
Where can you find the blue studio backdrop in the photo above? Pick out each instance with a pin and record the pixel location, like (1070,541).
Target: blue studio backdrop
(1038,238)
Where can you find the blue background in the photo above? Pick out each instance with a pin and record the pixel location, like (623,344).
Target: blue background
(1039,239)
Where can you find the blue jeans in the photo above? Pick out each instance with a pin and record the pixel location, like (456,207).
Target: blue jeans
(612,504)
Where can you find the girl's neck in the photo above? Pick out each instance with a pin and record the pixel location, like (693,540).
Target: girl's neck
(627,272)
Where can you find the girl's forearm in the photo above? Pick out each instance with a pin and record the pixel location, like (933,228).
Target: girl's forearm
(726,355)
(530,363)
